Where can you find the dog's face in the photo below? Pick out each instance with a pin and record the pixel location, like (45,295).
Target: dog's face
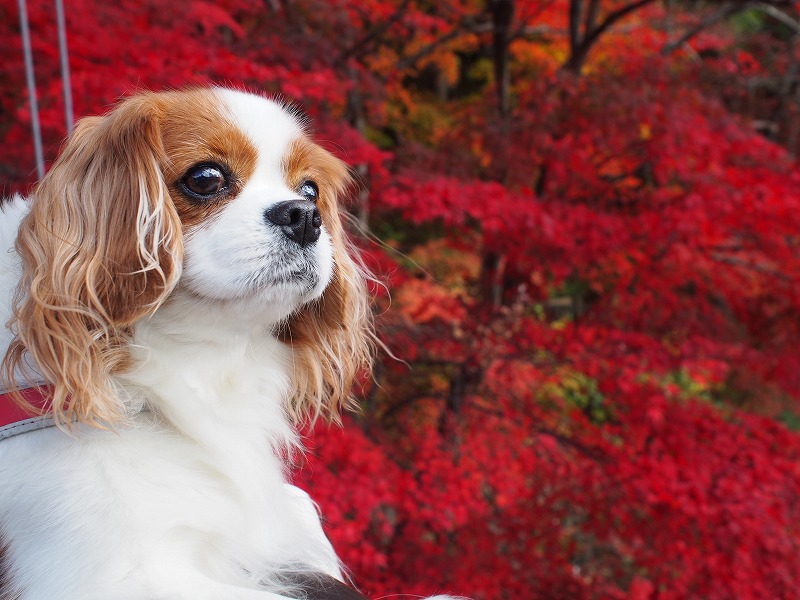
(209,196)
(256,200)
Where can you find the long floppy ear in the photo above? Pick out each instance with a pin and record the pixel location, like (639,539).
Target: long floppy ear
(332,338)
(101,248)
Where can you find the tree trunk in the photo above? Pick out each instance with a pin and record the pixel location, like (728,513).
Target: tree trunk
(502,15)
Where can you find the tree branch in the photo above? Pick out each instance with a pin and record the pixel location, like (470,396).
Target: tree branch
(591,16)
(467,25)
(611,18)
(574,25)
(720,15)
(579,49)
(375,32)
(778,15)
(763,269)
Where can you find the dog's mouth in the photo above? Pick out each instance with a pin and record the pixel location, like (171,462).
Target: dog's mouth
(305,279)
(299,277)
(263,272)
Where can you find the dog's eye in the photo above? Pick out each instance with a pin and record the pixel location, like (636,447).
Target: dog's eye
(205,181)
(309,190)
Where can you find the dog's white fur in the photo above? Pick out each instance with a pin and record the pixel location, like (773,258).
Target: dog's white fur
(179,490)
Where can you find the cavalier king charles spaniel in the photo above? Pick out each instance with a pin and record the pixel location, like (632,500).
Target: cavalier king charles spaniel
(180,294)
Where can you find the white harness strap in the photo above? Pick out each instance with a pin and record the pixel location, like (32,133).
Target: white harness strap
(26,425)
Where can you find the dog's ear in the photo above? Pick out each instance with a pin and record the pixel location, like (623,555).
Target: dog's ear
(332,337)
(101,248)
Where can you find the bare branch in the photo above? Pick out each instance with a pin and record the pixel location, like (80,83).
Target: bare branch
(574,24)
(580,46)
(376,32)
(759,268)
(720,15)
(466,26)
(591,15)
(274,6)
(778,15)
(611,18)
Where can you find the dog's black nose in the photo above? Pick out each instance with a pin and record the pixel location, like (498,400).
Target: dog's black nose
(298,219)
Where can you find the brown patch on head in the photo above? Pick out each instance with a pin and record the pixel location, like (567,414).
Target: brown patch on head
(195,130)
(8,589)
(306,161)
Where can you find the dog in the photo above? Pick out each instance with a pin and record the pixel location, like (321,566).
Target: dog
(181,294)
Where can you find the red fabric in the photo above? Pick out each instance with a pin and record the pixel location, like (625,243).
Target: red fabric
(11,412)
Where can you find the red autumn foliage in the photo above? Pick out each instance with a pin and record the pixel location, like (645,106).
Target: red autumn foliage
(593,258)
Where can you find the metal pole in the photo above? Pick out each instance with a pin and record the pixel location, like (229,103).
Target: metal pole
(64,56)
(34,104)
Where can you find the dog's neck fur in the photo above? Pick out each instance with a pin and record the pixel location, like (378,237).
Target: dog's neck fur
(237,376)
(228,364)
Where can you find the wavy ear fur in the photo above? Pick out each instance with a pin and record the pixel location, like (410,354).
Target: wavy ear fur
(101,248)
(332,338)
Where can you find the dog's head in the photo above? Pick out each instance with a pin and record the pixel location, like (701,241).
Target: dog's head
(214,195)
